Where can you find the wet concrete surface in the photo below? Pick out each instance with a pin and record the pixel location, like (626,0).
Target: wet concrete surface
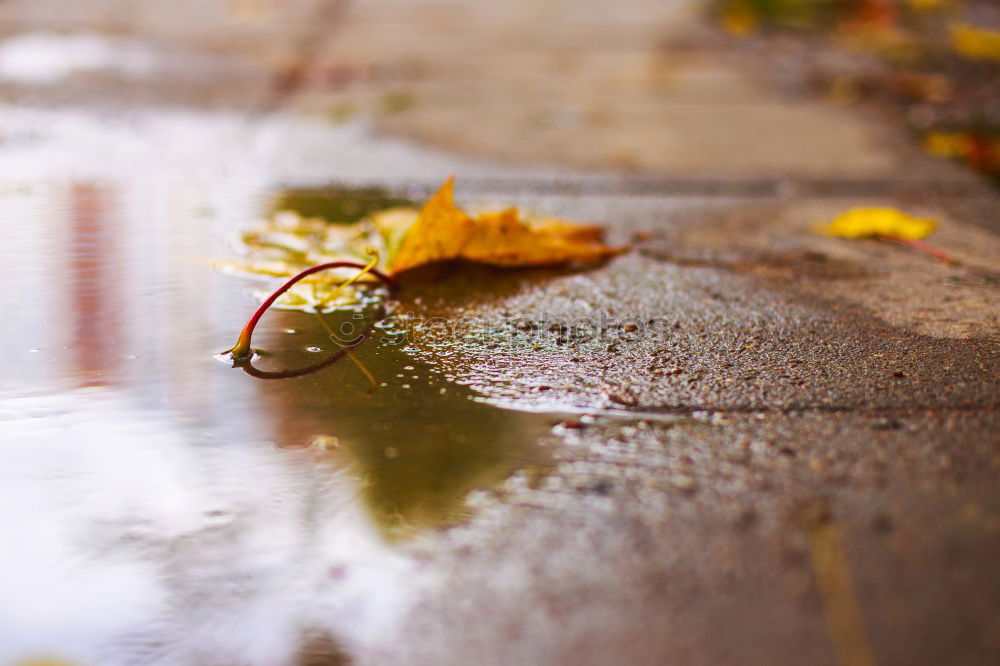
(741,442)
(701,339)
(695,543)
(757,389)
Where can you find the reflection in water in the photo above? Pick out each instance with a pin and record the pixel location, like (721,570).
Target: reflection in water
(135,541)
(96,323)
(161,507)
(419,442)
(340,205)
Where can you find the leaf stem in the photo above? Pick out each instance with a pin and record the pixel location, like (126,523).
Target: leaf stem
(921,246)
(247,366)
(242,351)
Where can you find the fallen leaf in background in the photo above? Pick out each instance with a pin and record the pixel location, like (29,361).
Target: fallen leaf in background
(978,149)
(946,144)
(882,222)
(739,19)
(886,224)
(975,43)
(929,5)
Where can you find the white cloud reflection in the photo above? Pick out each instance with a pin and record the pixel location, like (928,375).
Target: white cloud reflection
(200,552)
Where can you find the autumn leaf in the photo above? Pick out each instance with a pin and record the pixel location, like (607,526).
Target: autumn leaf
(407,237)
(878,222)
(975,43)
(442,231)
(438,233)
(739,19)
(397,240)
(928,5)
(887,224)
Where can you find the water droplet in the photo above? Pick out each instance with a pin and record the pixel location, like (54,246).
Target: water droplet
(34,350)
(406,386)
(314,349)
(291,331)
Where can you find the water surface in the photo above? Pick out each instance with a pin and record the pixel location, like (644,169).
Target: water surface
(162,507)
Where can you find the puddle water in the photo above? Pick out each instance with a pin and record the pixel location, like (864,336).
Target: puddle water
(160,507)
(45,58)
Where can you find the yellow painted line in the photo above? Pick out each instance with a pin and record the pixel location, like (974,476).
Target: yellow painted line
(844,622)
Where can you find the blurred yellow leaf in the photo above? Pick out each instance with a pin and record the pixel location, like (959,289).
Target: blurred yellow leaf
(946,144)
(975,43)
(877,222)
(442,231)
(739,18)
(929,5)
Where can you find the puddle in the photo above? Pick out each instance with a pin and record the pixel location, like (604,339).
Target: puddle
(417,442)
(167,508)
(43,58)
(337,204)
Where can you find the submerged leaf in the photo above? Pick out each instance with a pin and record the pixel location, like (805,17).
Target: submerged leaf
(881,222)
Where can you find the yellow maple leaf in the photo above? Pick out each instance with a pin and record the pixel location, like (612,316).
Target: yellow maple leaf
(878,222)
(442,231)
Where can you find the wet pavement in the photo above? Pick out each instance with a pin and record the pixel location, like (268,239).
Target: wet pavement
(741,442)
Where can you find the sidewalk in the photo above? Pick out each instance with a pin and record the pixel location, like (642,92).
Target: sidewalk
(797,465)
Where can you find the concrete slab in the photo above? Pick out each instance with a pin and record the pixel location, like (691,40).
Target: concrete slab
(656,95)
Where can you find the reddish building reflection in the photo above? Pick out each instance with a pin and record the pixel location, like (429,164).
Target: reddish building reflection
(95,298)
